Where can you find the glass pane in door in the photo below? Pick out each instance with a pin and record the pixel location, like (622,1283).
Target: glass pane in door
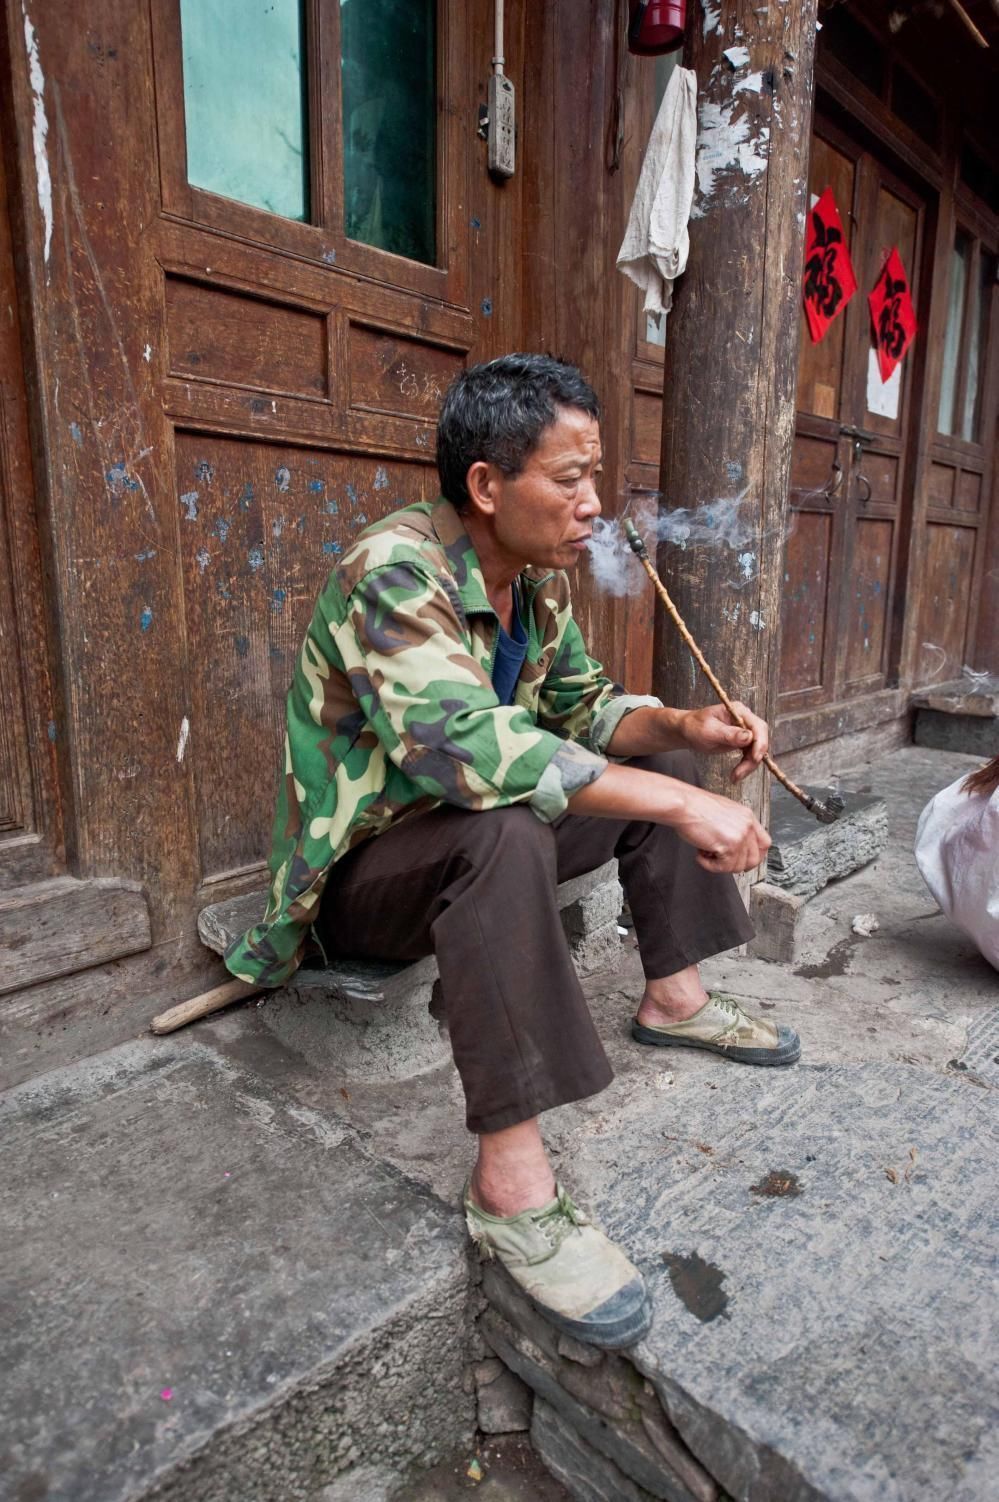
(245,101)
(978,327)
(389,64)
(960,256)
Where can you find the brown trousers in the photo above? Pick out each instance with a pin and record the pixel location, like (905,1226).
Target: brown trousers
(478,891)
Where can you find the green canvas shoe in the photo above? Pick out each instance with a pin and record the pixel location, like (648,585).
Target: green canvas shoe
(721,1026)
(573,1275)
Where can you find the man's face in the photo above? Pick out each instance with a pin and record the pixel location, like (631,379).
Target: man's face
(545,514)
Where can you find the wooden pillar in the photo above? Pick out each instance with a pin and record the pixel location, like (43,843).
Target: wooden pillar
(732,349)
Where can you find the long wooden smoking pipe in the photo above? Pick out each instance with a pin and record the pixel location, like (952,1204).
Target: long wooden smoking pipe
(827,812)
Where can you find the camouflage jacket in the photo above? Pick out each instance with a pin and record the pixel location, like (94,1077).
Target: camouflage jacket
(392,710)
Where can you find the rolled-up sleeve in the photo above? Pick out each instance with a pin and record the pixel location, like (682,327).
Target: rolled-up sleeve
(410,663)
(608,718)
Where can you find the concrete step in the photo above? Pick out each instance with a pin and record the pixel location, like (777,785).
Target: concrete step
(211,1290)
(375,1021)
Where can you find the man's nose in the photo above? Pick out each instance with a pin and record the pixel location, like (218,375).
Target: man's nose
(589,501)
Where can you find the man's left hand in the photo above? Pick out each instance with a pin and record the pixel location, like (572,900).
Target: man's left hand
(712,730)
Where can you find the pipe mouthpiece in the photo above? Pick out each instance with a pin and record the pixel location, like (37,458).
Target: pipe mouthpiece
(634,540)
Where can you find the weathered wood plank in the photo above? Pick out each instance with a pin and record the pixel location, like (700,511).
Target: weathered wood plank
(55,927)
(830,721)
(731,348)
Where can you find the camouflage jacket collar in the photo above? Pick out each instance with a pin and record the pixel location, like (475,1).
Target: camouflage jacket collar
(449,530)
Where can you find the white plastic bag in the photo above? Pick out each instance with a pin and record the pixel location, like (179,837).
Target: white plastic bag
(957,852)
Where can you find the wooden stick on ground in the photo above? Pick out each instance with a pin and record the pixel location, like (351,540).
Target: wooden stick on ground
(200,1006)
(822,811)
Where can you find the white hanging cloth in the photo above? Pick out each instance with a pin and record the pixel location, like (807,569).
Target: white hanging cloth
(655,246)
(957,852)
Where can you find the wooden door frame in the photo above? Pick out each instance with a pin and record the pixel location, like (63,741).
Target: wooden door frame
(37,849)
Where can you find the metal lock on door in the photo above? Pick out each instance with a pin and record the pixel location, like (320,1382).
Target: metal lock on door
(860,441)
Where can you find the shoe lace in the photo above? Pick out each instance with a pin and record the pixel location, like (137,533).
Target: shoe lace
(559,1220)
(731,1007)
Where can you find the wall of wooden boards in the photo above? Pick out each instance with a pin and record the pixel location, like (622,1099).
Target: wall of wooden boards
(221,400)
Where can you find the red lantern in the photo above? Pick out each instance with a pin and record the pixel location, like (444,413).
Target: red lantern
(656,27)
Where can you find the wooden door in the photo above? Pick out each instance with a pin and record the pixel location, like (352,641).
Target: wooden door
(316,294)
(849,466)
(30,829)
(951,563)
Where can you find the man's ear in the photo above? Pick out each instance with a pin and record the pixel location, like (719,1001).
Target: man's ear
(481,483)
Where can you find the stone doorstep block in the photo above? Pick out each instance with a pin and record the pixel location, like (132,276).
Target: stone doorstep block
(591,902)
(374,1021)
(597,950)
(961,696)
(777,917)
(806,855)
(586,1475)
(604,1397)
(944,730)
(389,1033)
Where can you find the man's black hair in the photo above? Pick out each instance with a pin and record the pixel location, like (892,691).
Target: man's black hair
(497,412)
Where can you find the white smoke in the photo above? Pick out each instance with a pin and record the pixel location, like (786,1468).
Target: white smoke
(724,523)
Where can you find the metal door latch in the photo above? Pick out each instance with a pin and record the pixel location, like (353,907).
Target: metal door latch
(861,439)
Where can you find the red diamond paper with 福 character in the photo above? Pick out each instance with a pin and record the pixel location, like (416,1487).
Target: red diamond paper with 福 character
(828,282)
(893,318)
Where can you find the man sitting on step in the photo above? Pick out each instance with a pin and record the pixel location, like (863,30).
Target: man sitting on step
(453,753)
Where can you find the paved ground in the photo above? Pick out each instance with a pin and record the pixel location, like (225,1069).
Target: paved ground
(209,1216)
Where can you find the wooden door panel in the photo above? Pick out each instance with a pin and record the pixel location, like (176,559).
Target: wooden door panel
(217,335)
(896,222)
(400,376)
(647,419)
(969,491)
(881,472)
(812,460)
(260,528)
(803,603)
(948,565)
(806,622)
(940,484)
(866,614)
